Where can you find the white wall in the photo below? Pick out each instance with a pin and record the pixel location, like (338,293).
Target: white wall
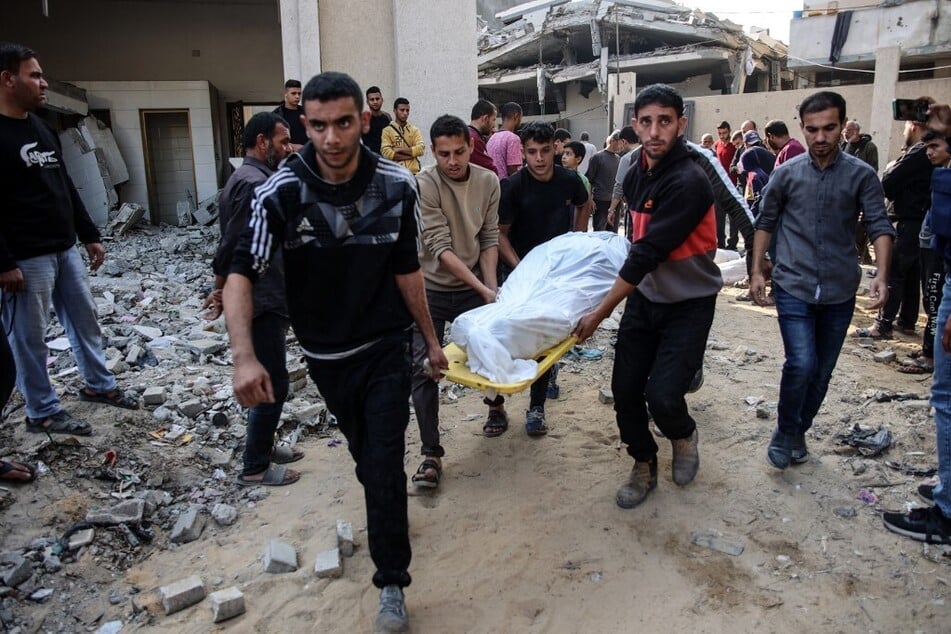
(124,99)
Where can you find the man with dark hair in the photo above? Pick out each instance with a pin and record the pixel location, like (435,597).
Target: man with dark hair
(907,186)
(562,136)
(670,282)
(458,256)
(378,119)
(402,141)
(41,216)
(602,169)
(347,221)
(780,143)
(539,202)
(505,146)
(266,144)
(815,274)
(290,111)
(481,125)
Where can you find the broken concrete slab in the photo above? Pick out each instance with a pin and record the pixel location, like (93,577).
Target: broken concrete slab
(124,512)
(182,594)
(81,538)
(605,395)
(328,564)
(885,356)
(224,514)
(20,572)
(279,557)
(128,216)
(192,408)
(345,538)
(188,527)
(226,604)
(148,332)
(711,540)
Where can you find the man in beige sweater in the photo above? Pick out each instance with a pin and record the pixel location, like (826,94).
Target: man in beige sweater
(459,252)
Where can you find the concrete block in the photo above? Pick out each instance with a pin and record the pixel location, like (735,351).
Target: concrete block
(345,538)
(116,365)
(154,395)
(188,527)
(226,604)
(192,408)
(148,332)
(605,395)
(124,512)
(20,572)
(81,538)
(182,594)
(279,557)
(206,346)
(885,356)
(224,514)
(132,357)
(328,564)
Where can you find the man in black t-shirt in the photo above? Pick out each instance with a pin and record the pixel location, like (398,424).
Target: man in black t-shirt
(291,111)
(41,216)
(378,119)
(539,202)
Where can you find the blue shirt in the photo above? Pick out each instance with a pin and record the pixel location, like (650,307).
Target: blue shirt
(814,213)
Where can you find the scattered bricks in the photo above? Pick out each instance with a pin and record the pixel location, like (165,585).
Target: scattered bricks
(116,365)
(206,346)
(345,538)
(192,408)
(20,572)
(81,538)
(188,527)
(605,395)
(279,557)
(296,371)
(154,395)
(128,511)
(182,594)
(226,604)
(328,564)
(148,332)
(132,357)
(885,356)
(224,514)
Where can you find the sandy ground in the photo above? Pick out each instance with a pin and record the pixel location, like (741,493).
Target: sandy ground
(523,534)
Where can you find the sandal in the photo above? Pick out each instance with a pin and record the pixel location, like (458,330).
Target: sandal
(282,454)
(496,423)
(871,334)
(114,398)
(59,423)
(274,476)
(916,366)
(428,474)
(7,468)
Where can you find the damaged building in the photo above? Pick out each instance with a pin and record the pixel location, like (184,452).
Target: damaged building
(580,63)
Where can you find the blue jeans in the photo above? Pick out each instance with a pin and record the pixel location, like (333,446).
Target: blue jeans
(60,279)
(941,401)
(812,337)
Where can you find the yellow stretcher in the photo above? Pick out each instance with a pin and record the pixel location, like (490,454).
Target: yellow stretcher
(459,371)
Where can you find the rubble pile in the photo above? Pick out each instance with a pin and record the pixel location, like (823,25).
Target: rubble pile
(156,477)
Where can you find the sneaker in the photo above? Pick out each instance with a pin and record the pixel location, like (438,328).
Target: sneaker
(641,481)
(686,459)
(779,452)
(392,615)
(535,421)
(697,382)
(925,525)
(799,452)
(926,492)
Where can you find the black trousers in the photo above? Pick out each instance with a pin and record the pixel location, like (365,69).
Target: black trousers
(659,349)
(904,279)
(269,337)
(369,394)
(601,210)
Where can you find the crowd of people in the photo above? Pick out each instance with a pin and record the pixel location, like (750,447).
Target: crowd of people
(332,226)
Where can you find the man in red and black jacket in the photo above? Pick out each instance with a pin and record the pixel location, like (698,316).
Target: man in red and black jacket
(670,282)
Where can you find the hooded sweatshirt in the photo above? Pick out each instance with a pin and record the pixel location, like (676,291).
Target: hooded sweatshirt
(343,245)
(756,175)
(675,232)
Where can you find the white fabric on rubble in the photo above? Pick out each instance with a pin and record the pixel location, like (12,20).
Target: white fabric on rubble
(732,271)
(540,303)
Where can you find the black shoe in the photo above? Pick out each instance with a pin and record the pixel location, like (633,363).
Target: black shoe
(926,492)
(779,452)
(799,452)
(697,382)
(925,525)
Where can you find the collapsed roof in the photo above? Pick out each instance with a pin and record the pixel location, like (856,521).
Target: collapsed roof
(584,40)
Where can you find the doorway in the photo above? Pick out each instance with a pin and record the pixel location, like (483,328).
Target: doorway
(169,164)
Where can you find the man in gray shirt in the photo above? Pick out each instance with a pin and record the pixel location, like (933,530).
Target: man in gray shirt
(812,202)
(601,172)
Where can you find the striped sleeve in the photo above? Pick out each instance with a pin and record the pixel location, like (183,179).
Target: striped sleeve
(265,223)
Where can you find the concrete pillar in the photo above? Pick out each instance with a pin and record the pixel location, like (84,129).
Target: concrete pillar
(436,79)
(881,126)
(622,88)
(300,39)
